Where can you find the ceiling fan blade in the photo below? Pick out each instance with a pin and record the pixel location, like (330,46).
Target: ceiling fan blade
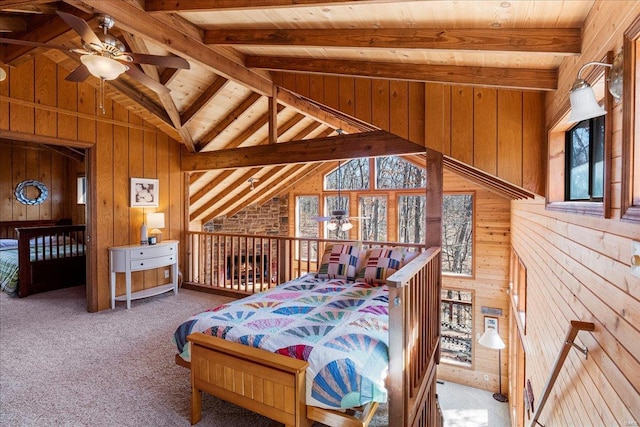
(321,218)
(31,44)
(162,61)
(81,27)
(147,81)
(80,74)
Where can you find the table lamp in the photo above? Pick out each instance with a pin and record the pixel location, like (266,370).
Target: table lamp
(155,221)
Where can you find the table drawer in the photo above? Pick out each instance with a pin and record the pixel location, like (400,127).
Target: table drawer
(145,264)
(153,251)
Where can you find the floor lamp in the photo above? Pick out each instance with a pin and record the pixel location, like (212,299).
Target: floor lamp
(491,339)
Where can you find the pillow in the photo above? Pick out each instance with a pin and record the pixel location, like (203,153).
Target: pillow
(381,263)
(339,261)
(8,244)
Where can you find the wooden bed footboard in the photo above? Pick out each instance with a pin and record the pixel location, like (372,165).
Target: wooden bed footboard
(266,383)
(273,385)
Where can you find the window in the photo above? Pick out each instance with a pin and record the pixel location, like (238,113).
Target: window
(353,175)
(411,219)
(307,208)
(630,193)
(518,289)
(373,218)
(395,173)
(585,161)
(456,314)
(457,234)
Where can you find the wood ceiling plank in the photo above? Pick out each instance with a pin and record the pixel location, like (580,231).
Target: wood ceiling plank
(513,78)
(204,98)
(197,214)
(194,198)
(562,41)
(284,127)
(200,5)
(231,117)
(251,129)
(341,147)
(9,24)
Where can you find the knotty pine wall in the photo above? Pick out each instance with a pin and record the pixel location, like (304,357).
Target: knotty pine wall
(493,130)
(36,100)
(578,268)
(491,279)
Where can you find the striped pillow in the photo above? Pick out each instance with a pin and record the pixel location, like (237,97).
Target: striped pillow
(380,264)
(339,262)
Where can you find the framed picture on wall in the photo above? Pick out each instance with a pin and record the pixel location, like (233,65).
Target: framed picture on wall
(144,192)
(490,323)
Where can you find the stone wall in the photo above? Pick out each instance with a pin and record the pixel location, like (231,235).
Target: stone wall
(270,219)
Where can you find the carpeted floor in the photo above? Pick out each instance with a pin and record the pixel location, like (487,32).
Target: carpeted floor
(62,366)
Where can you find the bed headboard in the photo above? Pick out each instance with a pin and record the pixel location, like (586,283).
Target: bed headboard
(8,228)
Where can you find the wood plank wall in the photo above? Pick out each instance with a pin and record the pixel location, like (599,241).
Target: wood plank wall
(578,269)
(123,146)
(493,130)
(21,161)
(491,281)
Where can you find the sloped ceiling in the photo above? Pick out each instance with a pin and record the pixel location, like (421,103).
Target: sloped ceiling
(227,99)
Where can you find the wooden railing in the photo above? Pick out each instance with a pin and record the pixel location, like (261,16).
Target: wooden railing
(241,264)
(414,340)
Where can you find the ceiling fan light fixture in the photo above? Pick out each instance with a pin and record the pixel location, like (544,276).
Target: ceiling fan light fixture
(332,226)
(103,67)
(346,226)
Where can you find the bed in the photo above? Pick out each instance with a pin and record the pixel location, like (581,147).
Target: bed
(41,255)
(327,346)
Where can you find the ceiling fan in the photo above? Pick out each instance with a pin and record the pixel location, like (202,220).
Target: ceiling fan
(339,219)
(104,56)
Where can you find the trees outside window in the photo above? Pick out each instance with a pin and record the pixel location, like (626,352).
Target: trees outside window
(307,207)
(457,234)
(456,326)
(585,161)
(396,173)
(373,221)
(411,219)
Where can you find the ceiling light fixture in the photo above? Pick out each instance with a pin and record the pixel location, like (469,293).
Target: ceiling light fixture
(103,67)
(582,98)
(3,74)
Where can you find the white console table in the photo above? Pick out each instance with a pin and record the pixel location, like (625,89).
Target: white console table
(125,259)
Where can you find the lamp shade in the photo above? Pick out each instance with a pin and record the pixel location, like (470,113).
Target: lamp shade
(583,103)
(103,67)
(491,339)
(155,220)
(346,226)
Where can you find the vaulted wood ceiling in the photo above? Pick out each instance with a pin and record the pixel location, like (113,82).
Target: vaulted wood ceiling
(227,98)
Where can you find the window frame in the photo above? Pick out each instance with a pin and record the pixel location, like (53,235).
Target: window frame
(556,152)
(592,122)
(630,182)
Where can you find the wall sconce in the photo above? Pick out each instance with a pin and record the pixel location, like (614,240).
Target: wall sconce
(583,101)
(155,221)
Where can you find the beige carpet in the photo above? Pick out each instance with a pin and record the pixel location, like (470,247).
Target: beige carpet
(62,366)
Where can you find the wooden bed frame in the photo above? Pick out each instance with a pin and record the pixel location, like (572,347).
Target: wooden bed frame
(41,275)
(274,385)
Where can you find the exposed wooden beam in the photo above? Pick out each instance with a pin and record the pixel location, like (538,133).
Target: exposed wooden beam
(513,78)
(139,45)
(219,197)
(565,41)
(273,116)
(284,127)
(194,198)
(227,120)
(307,130)
(341,147)
(251,129)
(243,194)
(196,5)
(9,24)
(134,19)
(203,99)
(167,75)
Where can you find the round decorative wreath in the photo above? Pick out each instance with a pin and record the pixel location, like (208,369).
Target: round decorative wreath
(22,198)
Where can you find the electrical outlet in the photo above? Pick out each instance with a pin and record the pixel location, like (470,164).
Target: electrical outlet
(166,273)
(486,378)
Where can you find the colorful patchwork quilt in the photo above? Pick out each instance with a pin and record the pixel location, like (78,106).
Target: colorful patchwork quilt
(339,327)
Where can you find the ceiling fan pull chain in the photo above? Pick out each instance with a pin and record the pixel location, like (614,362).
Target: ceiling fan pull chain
(101,106)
